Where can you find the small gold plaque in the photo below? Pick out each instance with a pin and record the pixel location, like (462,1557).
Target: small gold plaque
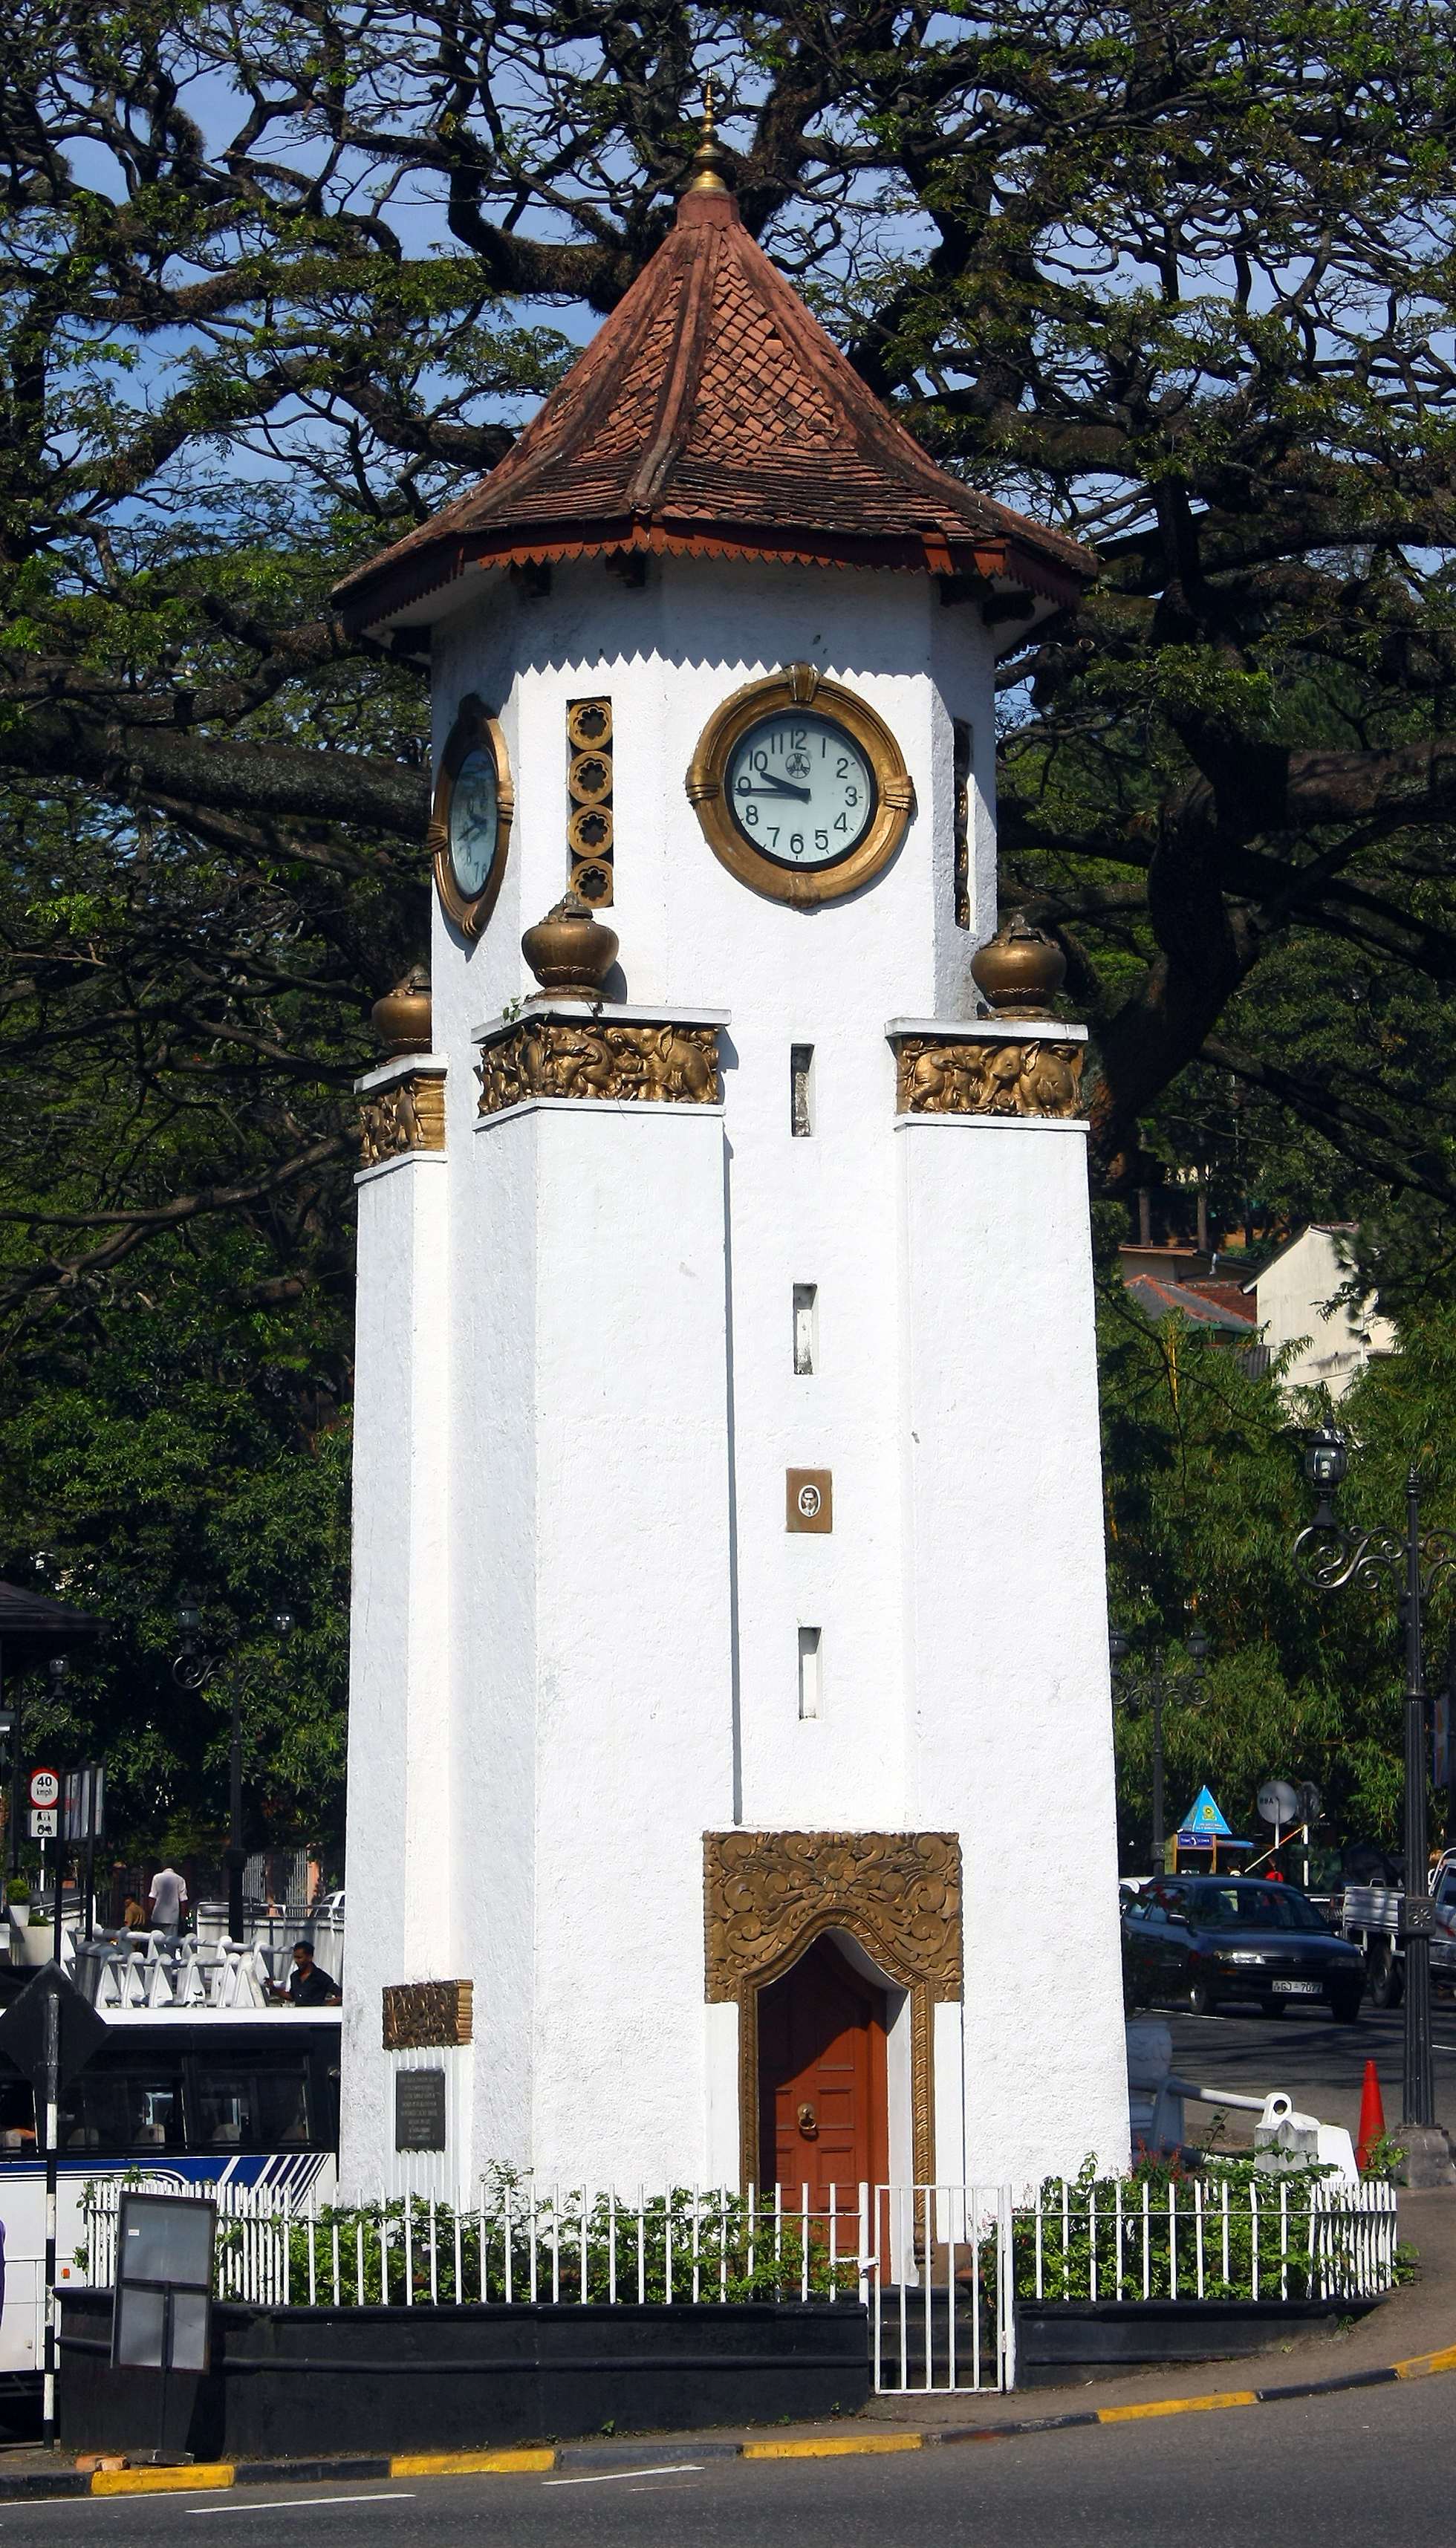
(809,1499)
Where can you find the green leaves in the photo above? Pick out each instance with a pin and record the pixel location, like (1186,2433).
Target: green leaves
(1205,1495)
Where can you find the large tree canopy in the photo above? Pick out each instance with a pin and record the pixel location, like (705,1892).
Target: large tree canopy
(277,279)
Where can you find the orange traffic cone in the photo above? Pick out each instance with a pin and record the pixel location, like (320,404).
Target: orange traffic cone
(1372,2118)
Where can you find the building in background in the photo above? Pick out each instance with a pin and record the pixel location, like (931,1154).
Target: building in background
(1299,1298)
(1185,1279)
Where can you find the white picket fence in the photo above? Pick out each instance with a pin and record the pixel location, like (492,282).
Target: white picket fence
(940,2268)
(1275,2238)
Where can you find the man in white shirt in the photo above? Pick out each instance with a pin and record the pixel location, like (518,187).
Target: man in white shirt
(167,1895)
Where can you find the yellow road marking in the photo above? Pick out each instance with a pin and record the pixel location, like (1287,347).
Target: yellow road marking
(1177,2406)
(472,2463)
(1418,2365)
(162,2481)
(841,2447)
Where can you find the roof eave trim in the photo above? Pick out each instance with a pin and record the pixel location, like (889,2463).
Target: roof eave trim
(367,598)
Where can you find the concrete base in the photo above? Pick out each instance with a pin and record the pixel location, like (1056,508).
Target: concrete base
(402,2380)
(1102,2339)
(1427,2159)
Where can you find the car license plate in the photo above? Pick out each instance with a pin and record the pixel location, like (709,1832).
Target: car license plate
(1312,1990)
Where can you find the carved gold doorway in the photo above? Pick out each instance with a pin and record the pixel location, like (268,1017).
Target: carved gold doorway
(768,1895)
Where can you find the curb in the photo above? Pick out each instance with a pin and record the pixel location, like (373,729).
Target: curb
(209,2476)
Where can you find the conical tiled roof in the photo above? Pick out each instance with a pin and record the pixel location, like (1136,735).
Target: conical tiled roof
(712,415)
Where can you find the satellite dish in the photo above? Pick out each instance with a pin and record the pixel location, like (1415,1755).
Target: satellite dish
(1278,1802)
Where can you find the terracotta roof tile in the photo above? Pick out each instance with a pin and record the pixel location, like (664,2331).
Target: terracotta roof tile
(712,413)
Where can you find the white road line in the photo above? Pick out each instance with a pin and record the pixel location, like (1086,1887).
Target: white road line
(297,2503)
(612,2477)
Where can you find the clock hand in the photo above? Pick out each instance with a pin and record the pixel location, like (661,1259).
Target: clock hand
(781,788)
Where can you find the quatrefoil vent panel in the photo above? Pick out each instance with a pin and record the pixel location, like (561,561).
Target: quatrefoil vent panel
(588,828)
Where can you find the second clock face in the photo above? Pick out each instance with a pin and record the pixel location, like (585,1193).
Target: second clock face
(475,808)
(802,791)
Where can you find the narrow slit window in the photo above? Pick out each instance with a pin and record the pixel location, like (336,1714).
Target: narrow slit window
(965,762)
(805,1329)
(802,1091)
(810,1673)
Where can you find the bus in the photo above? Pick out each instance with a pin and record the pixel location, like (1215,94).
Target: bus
(188,2097)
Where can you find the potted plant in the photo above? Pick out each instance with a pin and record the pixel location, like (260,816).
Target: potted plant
(18,1895)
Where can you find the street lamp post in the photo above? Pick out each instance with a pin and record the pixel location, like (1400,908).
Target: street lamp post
(195,1671)
(1327,1556)
(1151,1690)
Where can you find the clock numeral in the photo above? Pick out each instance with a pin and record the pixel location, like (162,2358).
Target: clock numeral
(840,822)
(821,840)
(796,844)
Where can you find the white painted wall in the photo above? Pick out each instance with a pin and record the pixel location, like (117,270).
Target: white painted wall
(620,1599)
(1007,1710)
(399,1774)
(1295,1300)
(597,1434)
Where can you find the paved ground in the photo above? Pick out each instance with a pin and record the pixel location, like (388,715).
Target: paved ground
(1343,2471)
(1323,2065)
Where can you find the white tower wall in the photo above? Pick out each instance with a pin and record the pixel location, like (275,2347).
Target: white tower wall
(615,1601)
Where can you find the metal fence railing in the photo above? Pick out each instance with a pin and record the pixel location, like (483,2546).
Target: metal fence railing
(1244,2235)
(940,2268)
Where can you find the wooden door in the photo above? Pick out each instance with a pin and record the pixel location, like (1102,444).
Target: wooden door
(822,2108)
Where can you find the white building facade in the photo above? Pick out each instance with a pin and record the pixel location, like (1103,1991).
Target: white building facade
(1301,1299)
(730,1775)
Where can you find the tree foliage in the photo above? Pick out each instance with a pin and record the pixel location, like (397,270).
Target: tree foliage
(1206,1495)
(192,1438)
(278,280)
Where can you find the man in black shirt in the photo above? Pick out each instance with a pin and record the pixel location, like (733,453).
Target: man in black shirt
(309,1985)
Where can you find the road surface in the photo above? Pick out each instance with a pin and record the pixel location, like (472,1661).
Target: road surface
(1321,2064)
(1342,2472)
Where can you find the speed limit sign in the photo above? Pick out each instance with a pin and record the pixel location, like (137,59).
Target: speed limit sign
(44,1787)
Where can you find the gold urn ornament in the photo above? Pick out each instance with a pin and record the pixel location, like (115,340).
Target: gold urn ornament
(1020,970)
(570,951)
(401,1019)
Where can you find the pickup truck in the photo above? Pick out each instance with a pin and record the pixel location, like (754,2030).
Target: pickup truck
(1370,1914)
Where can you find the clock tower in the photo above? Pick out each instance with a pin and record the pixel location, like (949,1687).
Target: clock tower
(730,1756)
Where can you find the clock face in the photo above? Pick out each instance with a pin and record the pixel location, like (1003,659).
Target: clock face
(800,789)
(475,807)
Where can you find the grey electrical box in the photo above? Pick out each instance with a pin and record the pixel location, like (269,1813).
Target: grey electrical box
(161,2319)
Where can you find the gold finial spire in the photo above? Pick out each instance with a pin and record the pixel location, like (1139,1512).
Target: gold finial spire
(708,159)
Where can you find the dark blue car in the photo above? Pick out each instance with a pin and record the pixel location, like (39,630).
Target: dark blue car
(1200,1941)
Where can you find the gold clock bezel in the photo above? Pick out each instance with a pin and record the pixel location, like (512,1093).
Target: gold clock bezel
(799,686)
(474,729)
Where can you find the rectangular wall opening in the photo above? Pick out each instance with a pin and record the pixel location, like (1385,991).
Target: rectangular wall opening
(801,1090)
(811,1687)
(805,1329)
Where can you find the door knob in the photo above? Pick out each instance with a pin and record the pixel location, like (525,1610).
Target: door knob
(808,2123)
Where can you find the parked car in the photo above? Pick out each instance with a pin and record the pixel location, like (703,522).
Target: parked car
(1200,1941)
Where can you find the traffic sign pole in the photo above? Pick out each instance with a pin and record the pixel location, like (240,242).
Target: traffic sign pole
(53,2136)
(59,1868)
